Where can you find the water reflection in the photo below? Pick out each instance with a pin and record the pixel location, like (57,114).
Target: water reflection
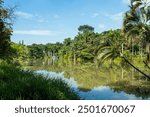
(97,93)
(106,93)
(91,82)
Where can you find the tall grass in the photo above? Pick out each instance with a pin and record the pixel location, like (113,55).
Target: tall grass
(17,84)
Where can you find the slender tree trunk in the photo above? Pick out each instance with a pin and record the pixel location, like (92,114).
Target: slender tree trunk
(122,46)
(146,65)
(96,63)
(132,72)
(136,68)
(132,47)
(148,51)
(68,58)
(75,58)
(140,51)
(122,73)
(139,77)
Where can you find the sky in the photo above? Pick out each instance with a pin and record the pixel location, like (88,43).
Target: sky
(50,21)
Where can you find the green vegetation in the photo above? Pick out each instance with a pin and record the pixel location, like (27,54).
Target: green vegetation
(120,48)
(16,83)
(5,30)
(136,25)
(27,85)
(126,43)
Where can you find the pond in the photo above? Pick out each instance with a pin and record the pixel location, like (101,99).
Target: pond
(92,83)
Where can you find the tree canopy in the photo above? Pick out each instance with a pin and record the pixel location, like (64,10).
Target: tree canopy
(85,29)
(136,24)
(5,29)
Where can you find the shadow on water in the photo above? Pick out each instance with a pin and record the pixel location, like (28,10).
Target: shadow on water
(107,93)
(142,91)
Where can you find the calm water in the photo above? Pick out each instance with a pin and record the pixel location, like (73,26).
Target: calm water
(97,93)
(91,83)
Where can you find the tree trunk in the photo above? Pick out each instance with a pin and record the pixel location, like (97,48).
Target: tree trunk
(122,48)
(136,68)
(146,65)
(75,58)
(132,73)
(148,52)
(122,73)
(132,50)
(96,63)
(140,51)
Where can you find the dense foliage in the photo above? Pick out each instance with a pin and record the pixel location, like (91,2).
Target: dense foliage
(115,47)
(5,29)
(88,46)
(18,84)
(136,25)
(85,47)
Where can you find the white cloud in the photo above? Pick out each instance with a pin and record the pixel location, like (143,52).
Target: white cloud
(29,16)
(115,17)
(24,15)
(39,18)
(101,26)
(95,14)
(36,32)
(126,2)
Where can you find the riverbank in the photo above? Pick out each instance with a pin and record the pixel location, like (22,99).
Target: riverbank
(17,84)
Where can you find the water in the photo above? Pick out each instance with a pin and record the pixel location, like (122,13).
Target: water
(90,83)
(96,93)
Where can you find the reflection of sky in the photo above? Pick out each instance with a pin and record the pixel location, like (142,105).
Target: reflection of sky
(97,93)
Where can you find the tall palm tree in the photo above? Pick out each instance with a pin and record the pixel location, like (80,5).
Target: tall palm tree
(136,24)
(110,48)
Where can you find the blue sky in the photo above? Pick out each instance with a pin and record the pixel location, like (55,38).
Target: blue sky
(49,21)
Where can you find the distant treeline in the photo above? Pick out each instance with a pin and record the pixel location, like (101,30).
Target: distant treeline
(87,46)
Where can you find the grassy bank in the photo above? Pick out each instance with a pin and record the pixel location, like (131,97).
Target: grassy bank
(17,84)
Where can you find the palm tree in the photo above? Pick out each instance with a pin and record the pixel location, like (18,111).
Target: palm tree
(136,24)
(111,49)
